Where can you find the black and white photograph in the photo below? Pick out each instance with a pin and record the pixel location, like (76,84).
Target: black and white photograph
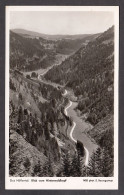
(62,97)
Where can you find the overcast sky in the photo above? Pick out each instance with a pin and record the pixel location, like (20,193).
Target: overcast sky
(54,22)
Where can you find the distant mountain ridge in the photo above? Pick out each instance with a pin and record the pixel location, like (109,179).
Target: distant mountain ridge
(32,51)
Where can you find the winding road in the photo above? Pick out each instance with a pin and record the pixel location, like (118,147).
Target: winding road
(78,128)
(71,132)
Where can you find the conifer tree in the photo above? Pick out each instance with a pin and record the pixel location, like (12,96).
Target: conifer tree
(107,168)
(20,115)
(47,170)
(92,166)
(37,170)
(76,165)
(66,165)
(84,171)
(99,161)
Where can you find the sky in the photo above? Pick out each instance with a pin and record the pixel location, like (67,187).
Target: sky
(62,22)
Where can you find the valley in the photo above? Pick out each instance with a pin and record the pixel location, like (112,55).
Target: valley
(61,92)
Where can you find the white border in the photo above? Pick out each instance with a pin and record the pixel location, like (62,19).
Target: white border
(71,182)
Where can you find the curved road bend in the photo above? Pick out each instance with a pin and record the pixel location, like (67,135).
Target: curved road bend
(65,92)
(79,126)
(42,74)
(76,132)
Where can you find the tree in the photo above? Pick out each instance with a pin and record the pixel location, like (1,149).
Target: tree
(20,115)
(66,165)
(20,96)
(48,168)
(11,84)
(25,112)
(92,166)
(12,165)
(79,164)
(76,166)
(70,121)
(84,171)
(96,164)
(28,76)
(99,162)
(27,164)
(37,170)
(107,169)
(46,132)
(12,157)
(27,130)
(80,148)
(33,74)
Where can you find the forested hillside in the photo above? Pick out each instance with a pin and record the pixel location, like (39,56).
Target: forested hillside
(29,53)
(102,161)
(71,45)
(36,114)
(90,73)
